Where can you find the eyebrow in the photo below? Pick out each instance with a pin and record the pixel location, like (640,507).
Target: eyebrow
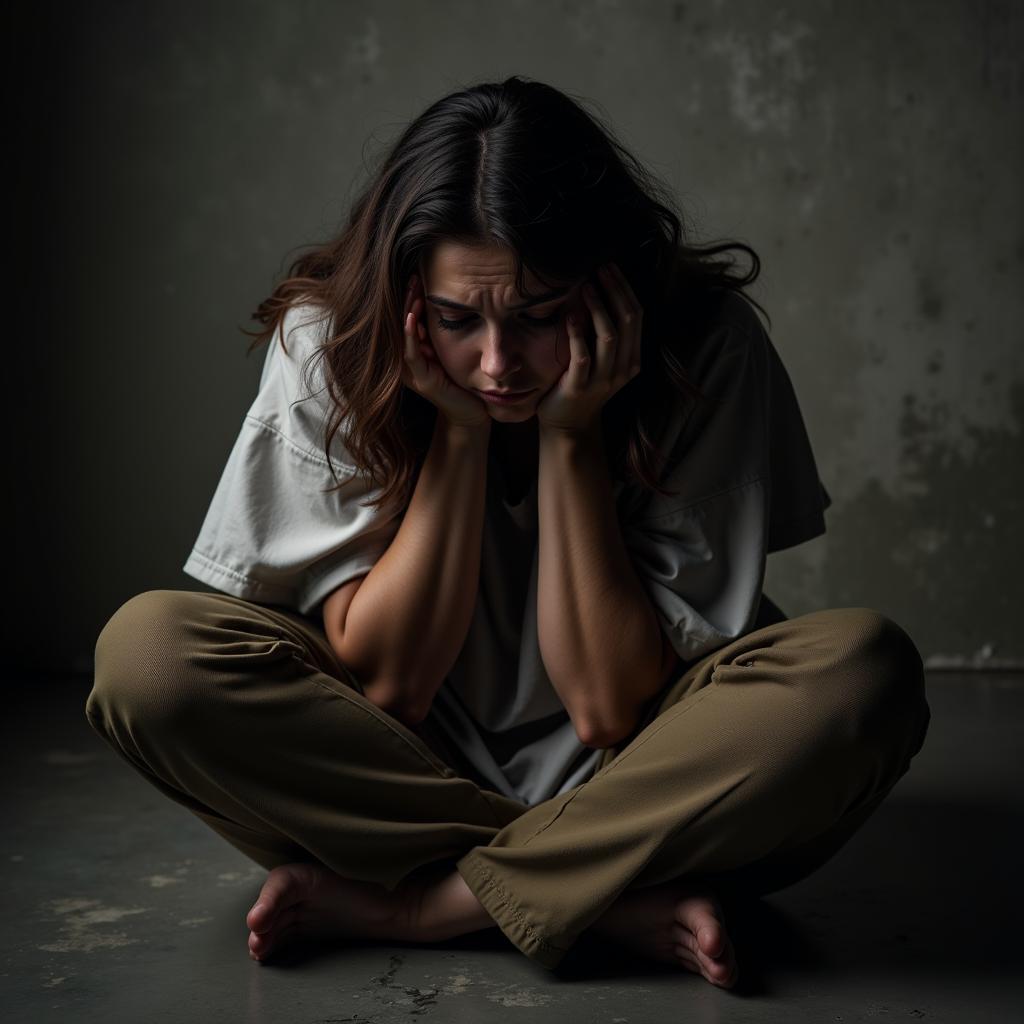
(439,300)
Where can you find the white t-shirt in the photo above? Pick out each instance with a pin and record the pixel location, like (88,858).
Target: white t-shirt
(747,485)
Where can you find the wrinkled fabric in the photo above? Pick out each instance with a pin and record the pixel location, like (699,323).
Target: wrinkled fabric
(745,484)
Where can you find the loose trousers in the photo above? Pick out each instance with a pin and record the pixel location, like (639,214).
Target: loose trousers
(748,771)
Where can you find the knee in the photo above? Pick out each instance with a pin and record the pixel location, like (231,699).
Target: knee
(880,682)
(137,656)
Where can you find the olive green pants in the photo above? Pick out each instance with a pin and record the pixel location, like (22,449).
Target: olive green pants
(748,771)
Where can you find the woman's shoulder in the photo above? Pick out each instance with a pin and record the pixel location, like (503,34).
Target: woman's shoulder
(293,357)
(724,333)
(303,326)
(719,310)
(293,399)
(725,359)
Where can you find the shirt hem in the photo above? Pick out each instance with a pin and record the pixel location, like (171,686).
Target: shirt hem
(221,577)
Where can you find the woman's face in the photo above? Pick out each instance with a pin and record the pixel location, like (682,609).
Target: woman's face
(489,344)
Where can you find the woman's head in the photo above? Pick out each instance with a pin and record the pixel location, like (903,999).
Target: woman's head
(496,194)
(487,335)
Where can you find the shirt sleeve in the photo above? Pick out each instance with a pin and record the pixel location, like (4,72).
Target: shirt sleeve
(745,482)
(799,498)
(271,533)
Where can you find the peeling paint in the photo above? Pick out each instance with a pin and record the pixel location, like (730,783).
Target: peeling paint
(889,432)
(765,77)
(364,48)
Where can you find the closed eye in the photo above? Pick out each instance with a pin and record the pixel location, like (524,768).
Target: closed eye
(458,325)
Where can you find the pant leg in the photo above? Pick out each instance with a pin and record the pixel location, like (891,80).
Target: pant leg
(243,714)
(755,766)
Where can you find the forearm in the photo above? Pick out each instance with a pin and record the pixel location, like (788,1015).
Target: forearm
(599,636)
(409,618)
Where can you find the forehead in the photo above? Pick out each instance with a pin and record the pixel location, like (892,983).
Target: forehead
(455,263)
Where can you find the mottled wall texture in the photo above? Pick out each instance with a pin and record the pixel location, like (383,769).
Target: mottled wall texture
(174,156)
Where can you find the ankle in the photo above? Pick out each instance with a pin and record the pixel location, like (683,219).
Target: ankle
(449,908)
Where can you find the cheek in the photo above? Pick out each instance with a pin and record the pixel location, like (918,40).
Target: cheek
(447,353)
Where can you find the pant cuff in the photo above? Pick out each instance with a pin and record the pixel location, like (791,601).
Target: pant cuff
(506,913)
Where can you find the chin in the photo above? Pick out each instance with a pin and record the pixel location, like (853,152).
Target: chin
(510,412)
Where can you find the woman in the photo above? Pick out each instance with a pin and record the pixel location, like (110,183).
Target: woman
(514,666)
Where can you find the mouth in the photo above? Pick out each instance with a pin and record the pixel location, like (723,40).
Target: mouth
(506,397)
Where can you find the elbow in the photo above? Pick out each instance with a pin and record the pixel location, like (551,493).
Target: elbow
(619,725)
(395,704)
(594,740)
(599,734)
(411,717)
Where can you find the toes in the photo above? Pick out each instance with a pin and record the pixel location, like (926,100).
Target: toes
(285,885)
(260,918)
(261,943)
(720,968)
(686,958)
(263,948)
(723,973)
(710,940)
(701,914)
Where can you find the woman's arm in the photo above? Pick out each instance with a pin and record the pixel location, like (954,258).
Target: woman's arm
(410,616)
(599,636)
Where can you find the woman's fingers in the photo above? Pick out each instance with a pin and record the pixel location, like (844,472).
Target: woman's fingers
(610,341)
(412,356)
(426,374)
(413,331)
(627,314)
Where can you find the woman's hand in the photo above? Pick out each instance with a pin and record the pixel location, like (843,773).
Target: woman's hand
(574,404)
(422,370)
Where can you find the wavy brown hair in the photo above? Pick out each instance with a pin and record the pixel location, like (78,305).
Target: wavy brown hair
(522,165)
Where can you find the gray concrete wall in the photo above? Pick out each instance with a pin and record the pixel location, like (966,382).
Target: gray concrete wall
(173,155)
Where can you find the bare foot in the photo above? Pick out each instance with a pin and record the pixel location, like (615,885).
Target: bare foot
(676,922)
(305,900)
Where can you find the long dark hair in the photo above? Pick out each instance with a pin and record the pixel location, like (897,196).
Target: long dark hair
(516,164)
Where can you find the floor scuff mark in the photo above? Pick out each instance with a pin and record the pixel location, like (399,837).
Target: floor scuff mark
(516,995)
(77,931)
(159,881)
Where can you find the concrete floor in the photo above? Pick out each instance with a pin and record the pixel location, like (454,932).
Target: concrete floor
(121,906)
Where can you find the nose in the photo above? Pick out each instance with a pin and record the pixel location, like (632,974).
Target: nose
(499,360)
